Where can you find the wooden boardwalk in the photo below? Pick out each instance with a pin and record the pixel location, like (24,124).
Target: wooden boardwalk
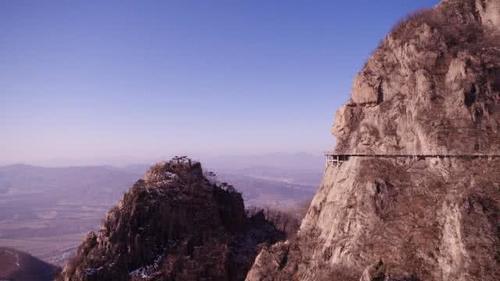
(338,159)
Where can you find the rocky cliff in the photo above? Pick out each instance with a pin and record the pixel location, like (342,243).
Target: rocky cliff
(174,224)
(431,87)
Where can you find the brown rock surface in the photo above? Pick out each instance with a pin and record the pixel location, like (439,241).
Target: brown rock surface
(432,87)
(174,224)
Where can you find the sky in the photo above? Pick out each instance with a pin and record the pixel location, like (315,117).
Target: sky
(121,81)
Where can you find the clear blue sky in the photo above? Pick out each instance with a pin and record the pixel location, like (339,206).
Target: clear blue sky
(137,79)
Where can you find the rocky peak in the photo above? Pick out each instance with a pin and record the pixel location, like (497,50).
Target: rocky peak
(429,86)
(178,168)
(432,87)
(174,224)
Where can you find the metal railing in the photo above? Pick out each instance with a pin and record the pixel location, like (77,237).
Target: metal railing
(338,159)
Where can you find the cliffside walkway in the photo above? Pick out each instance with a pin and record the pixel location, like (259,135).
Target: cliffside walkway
(338,159)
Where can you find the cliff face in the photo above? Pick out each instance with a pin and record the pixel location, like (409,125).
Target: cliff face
(432,87)
(174,224)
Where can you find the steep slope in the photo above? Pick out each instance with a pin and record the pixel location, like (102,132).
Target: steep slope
(174,224)
(19,266)
(432,87)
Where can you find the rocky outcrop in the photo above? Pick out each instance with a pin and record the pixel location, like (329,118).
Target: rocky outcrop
(431,87)
(174,224)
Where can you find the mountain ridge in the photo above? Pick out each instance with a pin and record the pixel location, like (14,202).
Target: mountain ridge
(17,265)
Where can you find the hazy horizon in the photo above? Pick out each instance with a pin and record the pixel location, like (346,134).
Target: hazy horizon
(298,161)
(127,82)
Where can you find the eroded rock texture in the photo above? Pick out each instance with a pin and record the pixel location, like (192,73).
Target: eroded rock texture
(174,224)
(432,87)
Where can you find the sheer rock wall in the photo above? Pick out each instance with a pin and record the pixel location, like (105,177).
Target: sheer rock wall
(431,87)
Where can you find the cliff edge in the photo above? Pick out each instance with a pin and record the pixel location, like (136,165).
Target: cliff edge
(432,87)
